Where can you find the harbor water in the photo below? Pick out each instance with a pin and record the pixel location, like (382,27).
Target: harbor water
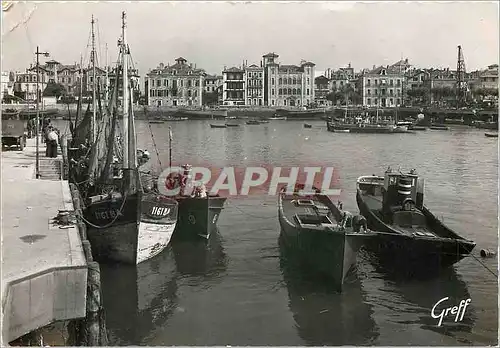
(240,290)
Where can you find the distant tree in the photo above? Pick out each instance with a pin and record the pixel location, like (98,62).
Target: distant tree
(54,90)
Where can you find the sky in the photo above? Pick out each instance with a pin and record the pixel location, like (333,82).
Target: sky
(217,34)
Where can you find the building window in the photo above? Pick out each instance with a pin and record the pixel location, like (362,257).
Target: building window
(280,91)
(368,101)
(308,91)
(391,92)
(369,92)
(272,81)
(164,82)
(272,91)
(392,102)
(391,82)
(368,83)
(398,82)
(272,72)
(298,91)
(398,101)
(280,81)
(289,91)
(308,80)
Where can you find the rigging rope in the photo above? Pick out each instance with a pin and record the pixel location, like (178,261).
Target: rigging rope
(153,139)
(485,267)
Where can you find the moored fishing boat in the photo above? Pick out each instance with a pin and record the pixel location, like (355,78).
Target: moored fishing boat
(232,125)
(326,237)
(124,223)
(491,135)
(307,125)
(304,114)
(406,230)
(439,127)
(253,122)
(218,126)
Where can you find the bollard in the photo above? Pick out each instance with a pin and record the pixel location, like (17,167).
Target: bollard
(487,253)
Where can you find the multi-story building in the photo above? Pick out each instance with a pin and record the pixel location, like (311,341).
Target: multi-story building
(26,83)
(487,79)
(382,86)
(181,84)
(8,79)
(321,90)
(212,83)
(341,77)
(287,85)
(254,83)
(134,83)
(233,86)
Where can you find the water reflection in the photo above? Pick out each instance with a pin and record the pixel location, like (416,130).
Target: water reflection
(322,316)
(414,297)
(200,257)
(138,299)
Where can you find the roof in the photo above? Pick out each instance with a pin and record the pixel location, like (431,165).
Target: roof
(270,55)
(253,66)
(181,58)
(52,61)
(290,67)
(391,70)
(308,63)
(321,79)
(233,69)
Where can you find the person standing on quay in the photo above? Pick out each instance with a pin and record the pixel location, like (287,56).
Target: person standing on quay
(52,143)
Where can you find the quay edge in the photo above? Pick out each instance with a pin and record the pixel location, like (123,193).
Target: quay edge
(47,280)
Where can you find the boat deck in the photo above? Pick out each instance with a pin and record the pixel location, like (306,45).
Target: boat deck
(374,203)
(308,213)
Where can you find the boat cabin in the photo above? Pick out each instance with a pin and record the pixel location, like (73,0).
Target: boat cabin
(403,198)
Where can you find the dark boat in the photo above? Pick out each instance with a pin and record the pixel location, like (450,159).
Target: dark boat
(124,223)
(323,317)
(197,114)
(253,122)
(417,128)
(156,122)
(439,127)
(305,114)
(307,125)
(360,128)
(232,125)
(491,135)
(408,233)
(218,126)
(326,237)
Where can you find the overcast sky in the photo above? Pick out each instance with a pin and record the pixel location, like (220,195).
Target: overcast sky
(216,34)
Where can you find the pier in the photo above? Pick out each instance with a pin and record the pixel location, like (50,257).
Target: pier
(44,274)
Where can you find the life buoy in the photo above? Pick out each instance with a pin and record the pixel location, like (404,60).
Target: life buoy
(172,181)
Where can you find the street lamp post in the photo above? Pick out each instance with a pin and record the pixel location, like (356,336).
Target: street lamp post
(46,54)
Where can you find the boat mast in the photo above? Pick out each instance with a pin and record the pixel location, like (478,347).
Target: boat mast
(125,95)
(106,90)
(92,58)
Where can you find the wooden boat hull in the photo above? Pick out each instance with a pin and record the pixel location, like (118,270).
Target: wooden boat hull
(413,252)
(327,251)
(232,125)
(332,255)
(348,128)
(300,115)
(491,135)
(198,216)
(135,235)
(218,126)
(307,125)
